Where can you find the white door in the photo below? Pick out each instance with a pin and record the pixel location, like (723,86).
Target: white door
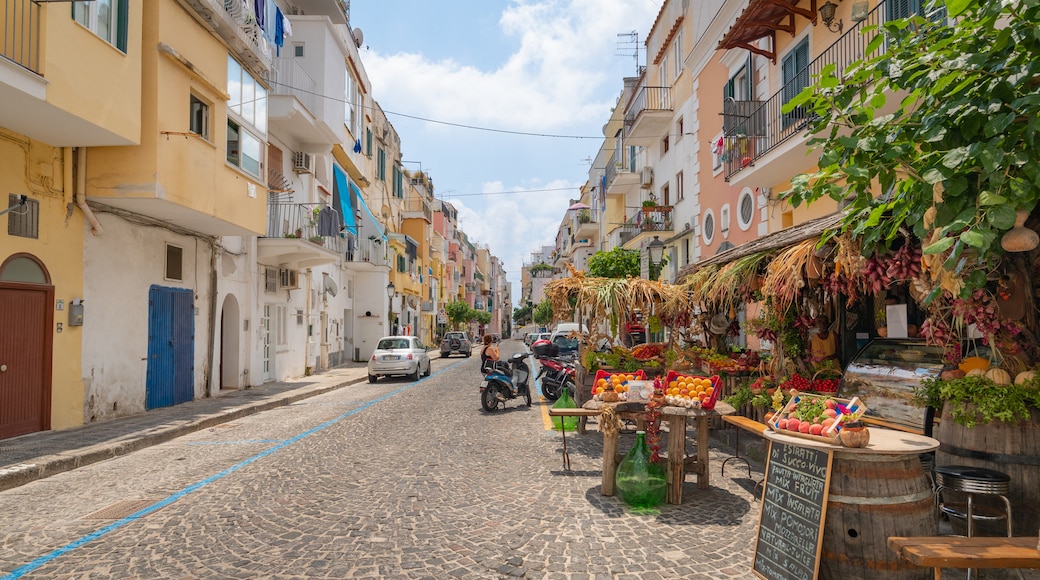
(265,330)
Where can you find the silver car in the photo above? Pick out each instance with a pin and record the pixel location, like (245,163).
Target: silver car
(399,355)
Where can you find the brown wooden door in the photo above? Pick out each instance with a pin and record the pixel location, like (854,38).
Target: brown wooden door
(25,358)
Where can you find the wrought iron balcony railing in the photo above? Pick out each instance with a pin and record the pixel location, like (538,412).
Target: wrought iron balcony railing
(21,38)
(649,99)
(754,128)
(318,224)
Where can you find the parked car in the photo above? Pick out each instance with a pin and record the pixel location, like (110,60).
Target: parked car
(399,355)
(561,338)
(456,342)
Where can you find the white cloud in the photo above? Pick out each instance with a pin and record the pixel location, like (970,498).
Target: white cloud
(563,78)
(514,225)
(554,80)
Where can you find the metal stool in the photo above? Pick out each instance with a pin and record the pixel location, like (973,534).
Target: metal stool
(972,481)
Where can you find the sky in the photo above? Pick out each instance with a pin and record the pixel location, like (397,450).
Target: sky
(502,102)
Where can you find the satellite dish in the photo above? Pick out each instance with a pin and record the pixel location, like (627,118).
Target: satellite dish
(328,285)
(359,37)
(719,324)
(385,211)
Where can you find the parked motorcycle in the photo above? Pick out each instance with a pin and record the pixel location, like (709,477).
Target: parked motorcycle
(505,381)
(556,374)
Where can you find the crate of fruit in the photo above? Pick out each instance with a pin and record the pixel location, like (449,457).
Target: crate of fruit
(691,391)
(816,417)
(617,382)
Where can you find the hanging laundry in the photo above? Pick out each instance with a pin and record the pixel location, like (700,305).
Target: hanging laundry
(279,30)
(260,7)
(270,21)
(287,25)
(329,222)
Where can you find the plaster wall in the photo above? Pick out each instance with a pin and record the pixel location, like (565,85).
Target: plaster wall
(236,276)
(90,78)
(174,175)
(119,268)
(43,173)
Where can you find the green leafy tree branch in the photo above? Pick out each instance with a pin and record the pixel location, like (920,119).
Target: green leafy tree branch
(956,156)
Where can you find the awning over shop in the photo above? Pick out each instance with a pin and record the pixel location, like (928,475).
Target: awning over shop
(783,238)
(761,19)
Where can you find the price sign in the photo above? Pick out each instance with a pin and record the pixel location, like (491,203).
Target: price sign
(794,503)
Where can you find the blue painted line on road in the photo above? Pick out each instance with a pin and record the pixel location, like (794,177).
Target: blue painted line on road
(43,560)
(243,442)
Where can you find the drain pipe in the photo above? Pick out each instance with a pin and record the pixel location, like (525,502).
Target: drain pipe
(211,338)
(81,188)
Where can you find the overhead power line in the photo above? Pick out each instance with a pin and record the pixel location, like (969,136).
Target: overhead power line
(438,122)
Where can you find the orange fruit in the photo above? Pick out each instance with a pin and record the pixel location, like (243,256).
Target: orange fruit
(710,390)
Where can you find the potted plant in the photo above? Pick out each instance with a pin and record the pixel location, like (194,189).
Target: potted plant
(649,205)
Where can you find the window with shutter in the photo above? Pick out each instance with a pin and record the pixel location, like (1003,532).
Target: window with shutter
(795,70)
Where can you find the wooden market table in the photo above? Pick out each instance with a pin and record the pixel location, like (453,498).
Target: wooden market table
(939,552)
(875,492)
(678,463)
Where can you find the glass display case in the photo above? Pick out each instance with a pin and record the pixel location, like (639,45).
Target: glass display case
(884,374)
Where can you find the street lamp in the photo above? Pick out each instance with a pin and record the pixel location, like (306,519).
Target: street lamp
(391,291)
(656,248)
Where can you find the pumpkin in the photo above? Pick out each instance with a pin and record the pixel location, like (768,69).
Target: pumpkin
(974,362)
(999,376)
(1024,377)
(952,374)
(977,373)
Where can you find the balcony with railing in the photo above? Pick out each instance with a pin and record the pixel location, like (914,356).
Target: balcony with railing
(294,109)
(648,116)
(21,38)
(234,21)
(621,174)
(754,129)
(301,235)
(363,254)
(418,208)
(585,223)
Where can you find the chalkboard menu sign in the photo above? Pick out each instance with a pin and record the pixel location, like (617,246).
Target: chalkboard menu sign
(790,529)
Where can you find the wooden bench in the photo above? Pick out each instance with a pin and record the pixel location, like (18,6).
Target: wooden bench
(939,552)
(747,425)
(563,432)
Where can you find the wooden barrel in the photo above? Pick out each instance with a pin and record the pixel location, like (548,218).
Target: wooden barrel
(873,497)
(1011,448)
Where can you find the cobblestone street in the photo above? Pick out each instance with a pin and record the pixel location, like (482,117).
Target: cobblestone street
(391,480)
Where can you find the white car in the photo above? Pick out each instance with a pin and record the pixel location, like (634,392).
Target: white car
(399,355)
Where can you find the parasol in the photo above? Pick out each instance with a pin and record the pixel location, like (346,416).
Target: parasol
(578,206)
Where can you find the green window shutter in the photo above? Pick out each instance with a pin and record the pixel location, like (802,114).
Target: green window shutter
(123,24)
(368,142)
(401,266)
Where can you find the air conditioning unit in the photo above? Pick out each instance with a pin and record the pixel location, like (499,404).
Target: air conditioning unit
(646,177)
(288,279)
(303,162)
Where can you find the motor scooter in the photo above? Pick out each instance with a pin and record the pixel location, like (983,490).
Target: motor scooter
(556,374)
(504,381)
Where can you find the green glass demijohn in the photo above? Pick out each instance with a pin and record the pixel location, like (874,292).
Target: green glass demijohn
(565,402)
(642,483)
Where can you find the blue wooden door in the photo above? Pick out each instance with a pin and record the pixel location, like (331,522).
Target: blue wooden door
(171,338)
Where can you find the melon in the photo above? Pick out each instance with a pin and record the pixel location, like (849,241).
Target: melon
(999,376)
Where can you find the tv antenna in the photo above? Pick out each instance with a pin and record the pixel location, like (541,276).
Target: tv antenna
(586,161)
(628,45)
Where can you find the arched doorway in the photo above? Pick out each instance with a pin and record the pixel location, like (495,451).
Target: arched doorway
(230,363)
(26,345)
